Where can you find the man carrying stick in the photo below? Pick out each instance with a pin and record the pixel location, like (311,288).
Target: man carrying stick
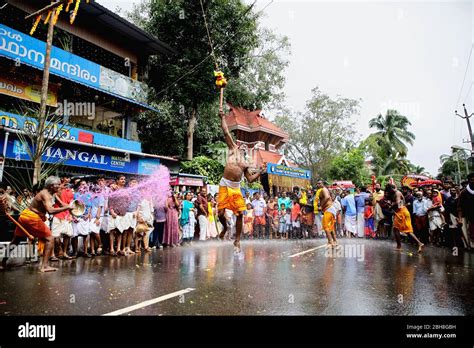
(33,218)
(230,196)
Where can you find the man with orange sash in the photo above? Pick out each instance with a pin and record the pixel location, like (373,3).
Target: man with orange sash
(401,217)
(230,197)
(33,220)
(329,214)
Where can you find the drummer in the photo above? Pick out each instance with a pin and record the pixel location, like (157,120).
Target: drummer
(33,220)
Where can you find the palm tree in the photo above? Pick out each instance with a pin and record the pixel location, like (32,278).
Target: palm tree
(396,165)
(418,170)
(392,131)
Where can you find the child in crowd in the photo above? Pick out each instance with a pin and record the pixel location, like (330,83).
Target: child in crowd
(369,219)
(306,221)
(295,218)
(288,224)
(438,203)
(282,221)
(338,208)
(248,221)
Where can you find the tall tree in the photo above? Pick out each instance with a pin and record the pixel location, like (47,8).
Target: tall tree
(455,165)
(320,133)
(392,129)
(187,78)
(350,166)
(418,170)
(260,85)
(387,147)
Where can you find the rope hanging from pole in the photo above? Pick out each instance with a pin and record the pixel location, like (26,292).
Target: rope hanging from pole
(221,81)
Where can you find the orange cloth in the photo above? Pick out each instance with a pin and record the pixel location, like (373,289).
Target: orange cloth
(33,223)
(295,212)
(328,221)
(402,220)
(231,198)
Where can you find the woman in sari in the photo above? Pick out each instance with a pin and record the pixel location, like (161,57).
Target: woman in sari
(171,234)
(212,227)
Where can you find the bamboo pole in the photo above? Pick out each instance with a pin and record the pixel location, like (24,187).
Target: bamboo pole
(30,237)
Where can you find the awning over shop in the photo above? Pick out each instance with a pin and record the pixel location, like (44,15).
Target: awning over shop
(183,179)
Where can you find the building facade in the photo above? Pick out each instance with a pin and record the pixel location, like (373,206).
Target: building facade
(96,90)
(261,141)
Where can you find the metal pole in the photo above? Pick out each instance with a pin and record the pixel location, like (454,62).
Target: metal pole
(467,117)
(459,168)
(4,153)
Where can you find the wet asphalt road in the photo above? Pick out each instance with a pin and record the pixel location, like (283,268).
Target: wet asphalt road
(363,278)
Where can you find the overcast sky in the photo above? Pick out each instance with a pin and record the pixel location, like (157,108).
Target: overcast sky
(411,56)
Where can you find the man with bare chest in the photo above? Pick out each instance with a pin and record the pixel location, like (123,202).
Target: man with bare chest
(329,214)
(230,197)
(33,220)
(401,217)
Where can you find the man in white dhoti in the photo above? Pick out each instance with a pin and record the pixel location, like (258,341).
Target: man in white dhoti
(360,198)
(350,213)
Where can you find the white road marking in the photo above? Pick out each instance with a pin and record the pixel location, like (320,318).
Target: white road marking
(307,251)
(149,302)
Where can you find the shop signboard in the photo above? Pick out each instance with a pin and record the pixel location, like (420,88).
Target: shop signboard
(280,170)
(26,49)
(85,157)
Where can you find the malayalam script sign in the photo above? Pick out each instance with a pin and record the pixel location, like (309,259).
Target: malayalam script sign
(27,91)
(84,157)
(25,49)
(53,129)
(299,173)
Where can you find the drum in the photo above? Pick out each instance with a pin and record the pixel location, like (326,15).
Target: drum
(79,208)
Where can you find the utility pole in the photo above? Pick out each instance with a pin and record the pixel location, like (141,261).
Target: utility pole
(44,87)
(467,117)
(459,168)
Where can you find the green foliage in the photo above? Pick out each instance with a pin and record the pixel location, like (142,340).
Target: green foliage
(208,131)
(260,84)
(251,58)
(180,24)
(386,147)
(449,165)
(322,132)
(350,166)
(392,131)
(216,151)
(158,131)
(205,166)
(256,185)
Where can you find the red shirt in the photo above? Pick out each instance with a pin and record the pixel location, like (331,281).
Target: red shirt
(437,200)
(295,211)
(67,196)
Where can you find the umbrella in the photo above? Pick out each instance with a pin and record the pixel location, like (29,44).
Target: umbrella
(426,182)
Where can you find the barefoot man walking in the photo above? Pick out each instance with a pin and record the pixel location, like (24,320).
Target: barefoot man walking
(230,196)
(329,214)
(33,218)
(401,217)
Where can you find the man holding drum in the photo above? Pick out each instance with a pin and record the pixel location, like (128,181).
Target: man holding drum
(33,220)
